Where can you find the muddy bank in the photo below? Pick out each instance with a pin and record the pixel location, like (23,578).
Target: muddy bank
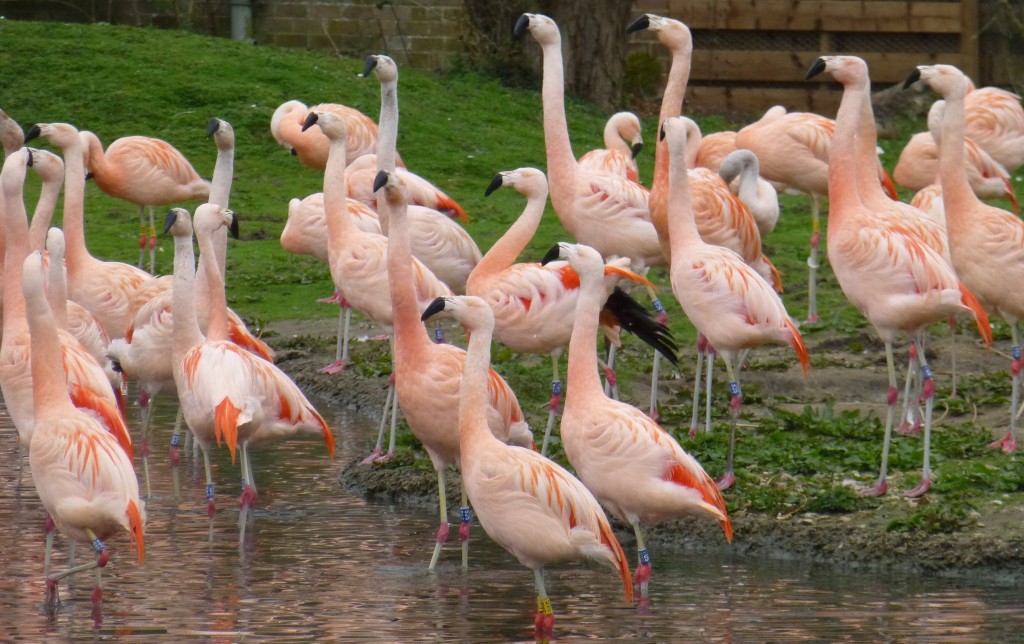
(988,541)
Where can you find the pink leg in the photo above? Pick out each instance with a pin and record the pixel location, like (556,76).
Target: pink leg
(1008,443)
(729,477)
(928,390)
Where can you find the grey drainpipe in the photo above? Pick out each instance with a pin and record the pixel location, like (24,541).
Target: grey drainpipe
(241,20)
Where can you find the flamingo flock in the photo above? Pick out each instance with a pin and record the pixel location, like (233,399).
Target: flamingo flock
(76,328)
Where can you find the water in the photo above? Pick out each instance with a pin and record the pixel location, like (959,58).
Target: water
(318,563)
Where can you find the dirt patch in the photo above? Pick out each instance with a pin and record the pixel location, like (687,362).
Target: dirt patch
(848,371)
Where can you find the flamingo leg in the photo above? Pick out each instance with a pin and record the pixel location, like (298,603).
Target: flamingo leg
(384,458)
(928,388)
(248,498)
(736,400)
(556,400)
(442,530)
(709,366)
(51,530)
(142,235)
(643,567)
(1008,443)
(145,402)
(102,555)
(341,358)
(812,260)
(544,623)
(952,354)
(910,423)
(881,486)
(175,452)
(152,241)
(611,385)
(466,516)
(655,367)
(438,333)
(210,507)
(702,347)
(378,450)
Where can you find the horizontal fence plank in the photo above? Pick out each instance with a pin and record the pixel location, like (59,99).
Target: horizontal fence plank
(748,103)
(819,15)
(790,67)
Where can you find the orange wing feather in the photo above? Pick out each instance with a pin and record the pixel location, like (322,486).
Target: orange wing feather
(226,425)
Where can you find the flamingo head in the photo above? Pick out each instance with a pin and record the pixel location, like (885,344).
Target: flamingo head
(384,66)
(543,28)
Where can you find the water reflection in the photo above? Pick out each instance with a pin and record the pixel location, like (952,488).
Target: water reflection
(317,563)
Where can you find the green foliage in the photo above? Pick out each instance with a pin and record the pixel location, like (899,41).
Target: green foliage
(935,518)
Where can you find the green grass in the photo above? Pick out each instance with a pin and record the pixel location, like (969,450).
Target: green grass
(457,130)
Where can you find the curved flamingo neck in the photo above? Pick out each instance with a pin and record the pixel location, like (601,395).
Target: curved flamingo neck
(682,227)
(215,298)
(843,167)
(186,333)
(220,194)
(73,224)
(16,235)
(42,216)
(506,250)
(49,391)
(612,139)
(473,399)
(561,161)
(671,106)
(956,190)
(866,141)
(582,377)
(411,339)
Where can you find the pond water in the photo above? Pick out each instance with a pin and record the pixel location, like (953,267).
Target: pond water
(318,563)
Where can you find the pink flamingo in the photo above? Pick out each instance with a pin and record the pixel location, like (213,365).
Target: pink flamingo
(617,156)
(84,478)
(428,374)
(359,260)
(86,382)
(227,393)
(729,303)
(994,119)
(601,210)
(50,169)
(897,281)
(758,195)
(106,289)
(526,503)
(533,305)
(12,138)
(929,201)
(918,165)
(147,172)
(311,147)
(713,148)
(635,469)
(361,172)
(986,243)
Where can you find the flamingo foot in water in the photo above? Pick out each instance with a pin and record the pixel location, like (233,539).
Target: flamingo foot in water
(51,592)
(144,449)
(97,595)
(210,508)
(248,498)
(878,490)
(544,626)
(726,481)
(384,458)
(919,491)
(174,454)
(1007,443)
(374,455)
(335,367)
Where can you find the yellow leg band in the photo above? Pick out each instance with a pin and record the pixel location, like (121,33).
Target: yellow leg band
(544,606)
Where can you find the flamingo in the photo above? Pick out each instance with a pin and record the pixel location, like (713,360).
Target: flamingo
(104,288)
(84,478)
(441,244)
(50,169)
(146,171)
(311,147)
(528,504)
(11,135)
(986,243)
(428,375)
(533,304)
(225,392)
(722,296)
(86,382)
(758,195)
(617,156)
(994,119)
(713,148)
(635,468)
(361,172)
(358,260)
(895,279)
(918,165)
(929,201)
(598,209)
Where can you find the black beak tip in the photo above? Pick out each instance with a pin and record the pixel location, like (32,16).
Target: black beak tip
(371,64)
(310,121)
(635,150)
(816,68)
(432,309)
(521,24)
(552,254)
(913,78)
(169,220)
(212,127)
(33,132)
(380,180)
(661,132)
(29,162)
(496,183)
(643,22)
(233,227)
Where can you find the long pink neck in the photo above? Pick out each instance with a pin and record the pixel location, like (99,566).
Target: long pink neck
(583,380)
(49,391)
(671,106)
(411,339)
(682,227)
(186,327)
(340,227)
(843,166)
(868,186)
(506,250)
(42,216)
(956,190)
(387,141)
(220,194)
(561,161)
(16,234)
(73,224)
(474,435)
(215,298)
(57,291)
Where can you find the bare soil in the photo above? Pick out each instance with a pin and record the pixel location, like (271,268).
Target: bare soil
(848,369)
